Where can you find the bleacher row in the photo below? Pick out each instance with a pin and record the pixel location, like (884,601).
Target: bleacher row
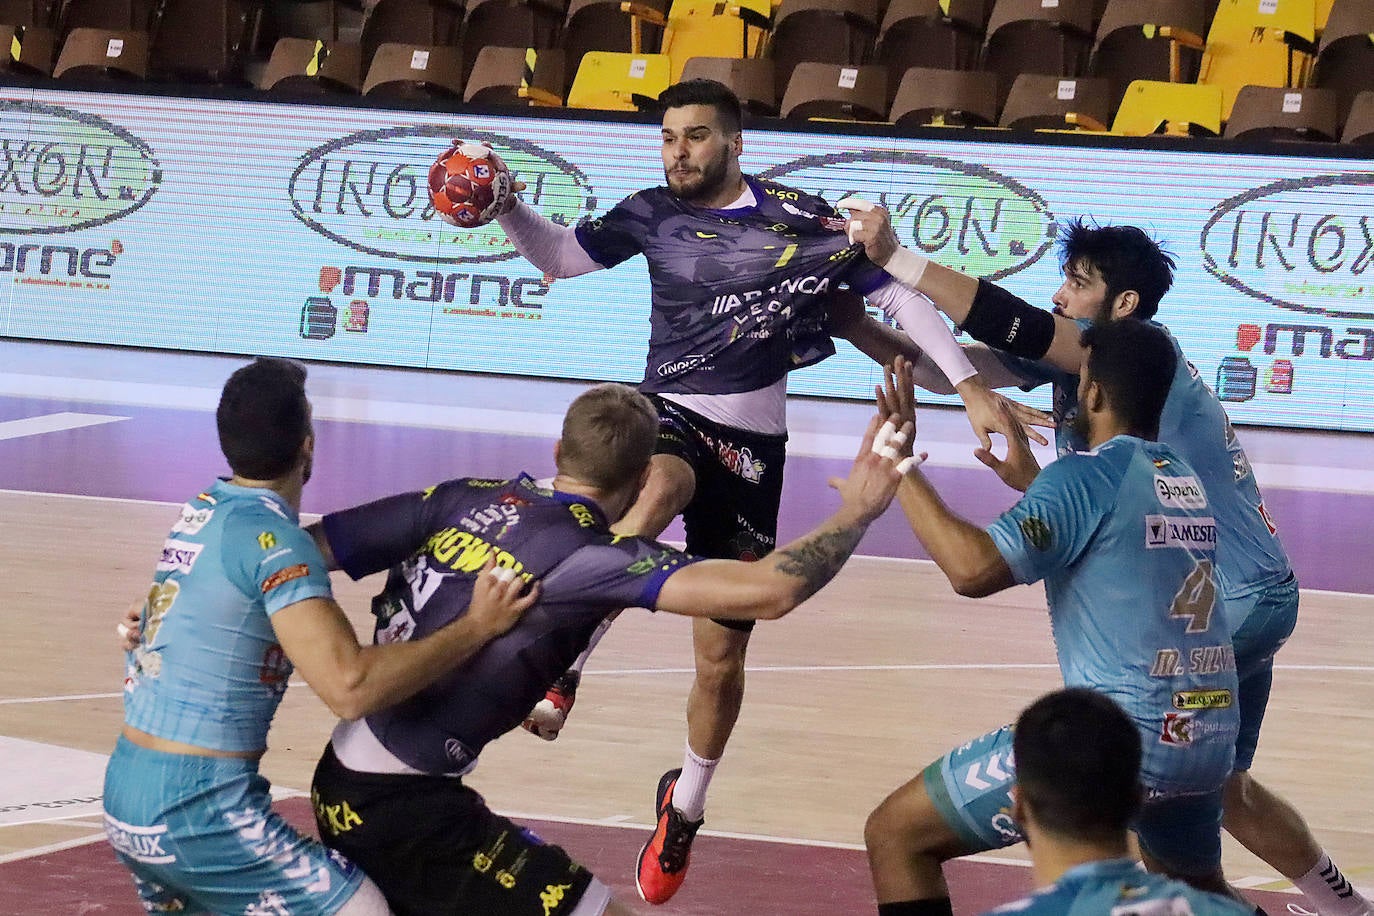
(1279,69)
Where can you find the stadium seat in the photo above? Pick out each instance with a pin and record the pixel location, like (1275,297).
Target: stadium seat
(945,98)
(111,15)
(615,81)
(714,28)
(314,19)
(103,54)
(313,67)
(751,78)
(1359,124)
(1030,36)
(27,34)
(1038,102)
(1149,40)
(415,72)
(821,31)
(509,24)
(836,92)
(1277,113)
(422,23)
(1345,59)
(1324,13)
(931,35)
(612,25)
(518,76)
(1176,109)
(1257,44)
(202,40)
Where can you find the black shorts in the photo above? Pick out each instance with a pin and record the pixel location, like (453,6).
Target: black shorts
(733,515)
(435,849)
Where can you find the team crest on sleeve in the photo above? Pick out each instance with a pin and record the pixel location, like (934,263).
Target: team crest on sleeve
(282,576)
(1036,532)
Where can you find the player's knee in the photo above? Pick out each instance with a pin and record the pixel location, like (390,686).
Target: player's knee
(367,900)
(1239,792)
(888,827)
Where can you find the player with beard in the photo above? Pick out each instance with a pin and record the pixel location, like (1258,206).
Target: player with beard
(740,271)
(1115,273)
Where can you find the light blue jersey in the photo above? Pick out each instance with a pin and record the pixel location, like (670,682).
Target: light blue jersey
(1249,555)
(1124,538)
(208,670)
(1119,887)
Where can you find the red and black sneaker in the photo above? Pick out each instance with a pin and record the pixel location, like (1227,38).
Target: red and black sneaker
(549,715)
(663,860)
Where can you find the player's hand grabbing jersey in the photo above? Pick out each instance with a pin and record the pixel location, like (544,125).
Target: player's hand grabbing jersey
(736,293)
(435,543)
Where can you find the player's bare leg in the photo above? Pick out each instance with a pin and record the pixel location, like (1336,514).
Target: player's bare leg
(908,842)
(1272,829)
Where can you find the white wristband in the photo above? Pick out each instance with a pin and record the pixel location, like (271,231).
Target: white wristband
(906,267)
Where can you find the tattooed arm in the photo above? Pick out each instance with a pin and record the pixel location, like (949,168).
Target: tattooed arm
(773,586)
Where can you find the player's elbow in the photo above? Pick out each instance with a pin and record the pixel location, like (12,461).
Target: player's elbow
(346,693)
(972,583)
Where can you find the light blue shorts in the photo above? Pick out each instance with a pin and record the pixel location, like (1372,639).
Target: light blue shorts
(1267,620)
(200,836)
(971,788)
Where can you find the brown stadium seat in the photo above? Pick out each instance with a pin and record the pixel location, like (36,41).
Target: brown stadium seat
(415,72)
(1359,124)
(945,98)
(312,66)
(111,15)
(1039,102)
(616,26)
(926,33)
(421,23)
(509,24)
(103,54)
(518,76)
(821,31)
(1027,36)
(1158,40)
(751,78)
(836,92)
(28,41)
(1345,58)
(202,40)
(1277,113)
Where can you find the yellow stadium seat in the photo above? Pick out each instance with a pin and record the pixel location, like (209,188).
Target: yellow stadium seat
(613,81)
(1253,43)
(1179,109)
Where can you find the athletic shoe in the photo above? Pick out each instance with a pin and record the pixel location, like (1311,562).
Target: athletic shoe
(548,716)
(663,860)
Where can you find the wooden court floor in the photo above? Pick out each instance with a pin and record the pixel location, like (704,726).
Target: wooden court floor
(848,697)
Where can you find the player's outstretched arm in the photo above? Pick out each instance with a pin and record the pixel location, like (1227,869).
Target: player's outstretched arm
(964,552)
(772,587)
(987,312)
(356,680)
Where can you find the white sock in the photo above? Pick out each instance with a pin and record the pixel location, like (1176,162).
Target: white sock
(689,794)
(1325,886)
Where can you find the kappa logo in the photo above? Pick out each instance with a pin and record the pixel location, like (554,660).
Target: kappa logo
(1180,492)
(1189,533)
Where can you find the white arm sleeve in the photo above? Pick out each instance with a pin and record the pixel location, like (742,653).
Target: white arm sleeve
(545,244)
(918,317)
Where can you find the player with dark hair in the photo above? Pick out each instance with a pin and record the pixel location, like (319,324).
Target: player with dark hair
(1077,791)
(740,269)
(240,596)
(1123,536)
(389,792)
(1113,273)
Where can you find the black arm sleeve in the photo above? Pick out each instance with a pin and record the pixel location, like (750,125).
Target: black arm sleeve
(1008,323)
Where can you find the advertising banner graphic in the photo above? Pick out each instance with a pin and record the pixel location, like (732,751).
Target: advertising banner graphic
(306,231)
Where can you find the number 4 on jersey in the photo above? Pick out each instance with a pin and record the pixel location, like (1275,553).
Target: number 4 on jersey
(1197,598)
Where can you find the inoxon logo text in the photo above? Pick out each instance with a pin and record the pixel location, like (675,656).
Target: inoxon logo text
(369,191)
(963,214)
(1305,244)
(62,170)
